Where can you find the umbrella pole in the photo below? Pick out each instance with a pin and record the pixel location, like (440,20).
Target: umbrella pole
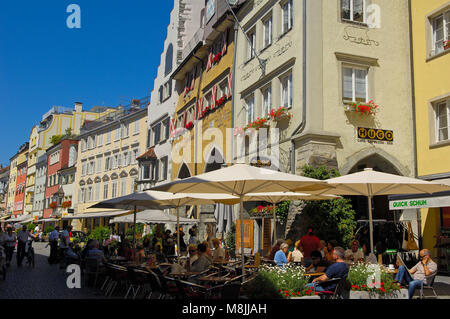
(178,233)
(274,224)
(134,228)
(370,223)
(242,233)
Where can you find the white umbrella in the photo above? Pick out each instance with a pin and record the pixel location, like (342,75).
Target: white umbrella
(372,183)
(159,199)
(153,216)
(278,197)
(240,180)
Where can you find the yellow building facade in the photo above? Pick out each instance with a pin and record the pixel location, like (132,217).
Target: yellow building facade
(430,21)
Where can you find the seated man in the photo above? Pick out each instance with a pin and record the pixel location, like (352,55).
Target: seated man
(280,257)
(354,254)
(219,252)
(203,261)
(96,253)
(337,270)
(318,263)
(426,267)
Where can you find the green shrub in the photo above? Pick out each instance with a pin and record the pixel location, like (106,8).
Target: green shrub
(48,229)
(230,238)
(100,234)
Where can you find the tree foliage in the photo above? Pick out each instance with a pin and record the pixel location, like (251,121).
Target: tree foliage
(333,219)
(230,237)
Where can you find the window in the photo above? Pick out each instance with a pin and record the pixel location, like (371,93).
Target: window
(443,120)
(97,192)
(108,137)
(114,189)
(107,163)
(169,60)
(99,164)
(156,133)
(267,32)
(83,145)
(251,44)
(89,194)
(267,100)
(123,187)
(166,124)
(105,191)
(156,171)
(125,130)
(250,103)
(441,31)
(355,84)
(167,89)
(146,172)
(135,155)
(288,17)
(286,91)
(100,139)
(117,135)
(164,168)
(81,195)
(83,168)
(353,10)
(126,159)
(115,161)
(136,127)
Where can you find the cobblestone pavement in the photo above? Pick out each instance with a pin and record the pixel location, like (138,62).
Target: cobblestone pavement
(44,281)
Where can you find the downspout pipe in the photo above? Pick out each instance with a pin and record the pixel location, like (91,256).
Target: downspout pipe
(233,81)
(302,125)
(413,103)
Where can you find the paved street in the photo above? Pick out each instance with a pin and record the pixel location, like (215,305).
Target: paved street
(44,281)
(49,282)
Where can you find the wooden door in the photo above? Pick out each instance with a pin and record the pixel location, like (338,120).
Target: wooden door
(267,235)
(248,234)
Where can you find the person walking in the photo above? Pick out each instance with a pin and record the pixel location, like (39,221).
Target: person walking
(22,238)
(64,243)
(310,243)
(53,241)
(10,243)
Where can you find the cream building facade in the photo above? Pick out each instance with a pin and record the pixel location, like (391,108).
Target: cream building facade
(320,57)
(55,122)
(106,163)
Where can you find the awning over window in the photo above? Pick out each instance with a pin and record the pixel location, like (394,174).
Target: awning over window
(98,215)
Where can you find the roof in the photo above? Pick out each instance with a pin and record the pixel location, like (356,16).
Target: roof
(149,154)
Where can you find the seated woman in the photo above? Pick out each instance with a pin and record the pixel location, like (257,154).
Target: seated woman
(280,257)
(125,250)
(318,263)
(203,261)
(330,247)
(297,255)
(139,256)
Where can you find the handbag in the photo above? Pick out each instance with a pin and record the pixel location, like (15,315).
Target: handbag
(405,240)
(412,245)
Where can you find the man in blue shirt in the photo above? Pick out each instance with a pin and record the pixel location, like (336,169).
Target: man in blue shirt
(280,256)
(337,270)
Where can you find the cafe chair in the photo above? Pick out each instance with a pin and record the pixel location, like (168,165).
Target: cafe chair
(429,286)
(119,278)
(189,290)
(92,269)
(155,286)
(333,294)
(138,279)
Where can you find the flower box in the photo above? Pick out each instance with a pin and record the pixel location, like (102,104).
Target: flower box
(400,294)
(369,108)
(53,205)
(189,125)
(446,45)
(279,114)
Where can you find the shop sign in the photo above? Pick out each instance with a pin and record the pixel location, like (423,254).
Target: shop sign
(429,202)
(373,135)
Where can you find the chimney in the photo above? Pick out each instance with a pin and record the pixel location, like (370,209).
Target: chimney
(78,107)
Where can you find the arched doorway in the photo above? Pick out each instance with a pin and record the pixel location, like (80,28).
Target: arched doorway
(385,229)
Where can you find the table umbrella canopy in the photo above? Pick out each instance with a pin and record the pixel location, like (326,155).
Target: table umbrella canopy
(140,200)
(372,183)
(240,180)
(153,216)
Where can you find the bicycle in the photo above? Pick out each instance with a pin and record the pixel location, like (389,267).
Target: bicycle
(29,253)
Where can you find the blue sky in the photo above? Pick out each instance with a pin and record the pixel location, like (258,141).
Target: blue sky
(111,59)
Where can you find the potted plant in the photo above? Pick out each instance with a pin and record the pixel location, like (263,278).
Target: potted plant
(369,281)
(369,108)
(262,211)
(279,114)
(53,205)
(189,125)
(447,45)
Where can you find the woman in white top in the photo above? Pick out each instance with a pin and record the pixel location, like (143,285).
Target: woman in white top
(10,243)
(296,255)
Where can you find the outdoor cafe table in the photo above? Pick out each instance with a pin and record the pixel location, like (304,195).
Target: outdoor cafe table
(213,279)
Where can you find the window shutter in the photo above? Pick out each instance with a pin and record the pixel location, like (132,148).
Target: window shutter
(160,94)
